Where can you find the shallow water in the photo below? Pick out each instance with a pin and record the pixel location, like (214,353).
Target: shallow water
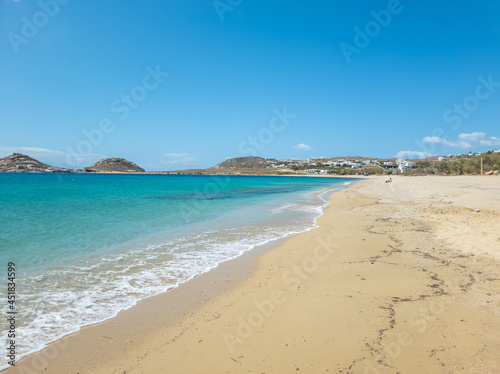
(89,246)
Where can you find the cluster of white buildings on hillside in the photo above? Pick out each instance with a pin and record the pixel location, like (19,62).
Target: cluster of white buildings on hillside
(400,164)
(353,164)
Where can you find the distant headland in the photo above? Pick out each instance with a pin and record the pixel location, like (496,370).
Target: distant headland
(470,163)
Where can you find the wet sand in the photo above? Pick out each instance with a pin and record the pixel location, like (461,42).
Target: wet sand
(400,277)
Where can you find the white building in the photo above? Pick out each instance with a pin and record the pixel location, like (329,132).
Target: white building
(441,158)
(404,165)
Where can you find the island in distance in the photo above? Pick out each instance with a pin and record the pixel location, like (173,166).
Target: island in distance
(18,162)
(111,165)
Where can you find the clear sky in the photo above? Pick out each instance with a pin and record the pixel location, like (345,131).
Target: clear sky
(172,84)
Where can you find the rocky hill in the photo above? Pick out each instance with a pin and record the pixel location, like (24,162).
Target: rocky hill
(115,165)
(22,163)
(249,162)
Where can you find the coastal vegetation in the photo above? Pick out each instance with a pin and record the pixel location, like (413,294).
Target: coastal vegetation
(462,165)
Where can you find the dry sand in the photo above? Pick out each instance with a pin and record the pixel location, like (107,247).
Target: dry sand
(400,277)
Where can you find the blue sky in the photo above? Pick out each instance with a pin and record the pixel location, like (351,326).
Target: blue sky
(178,84)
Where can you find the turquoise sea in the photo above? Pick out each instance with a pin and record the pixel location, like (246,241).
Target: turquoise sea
(87,246)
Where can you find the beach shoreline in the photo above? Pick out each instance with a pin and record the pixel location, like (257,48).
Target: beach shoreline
(249,251)
(353,289)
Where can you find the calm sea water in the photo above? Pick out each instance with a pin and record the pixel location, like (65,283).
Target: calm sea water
(89,246)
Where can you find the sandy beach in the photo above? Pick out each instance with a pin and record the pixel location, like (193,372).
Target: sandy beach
(399,277)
